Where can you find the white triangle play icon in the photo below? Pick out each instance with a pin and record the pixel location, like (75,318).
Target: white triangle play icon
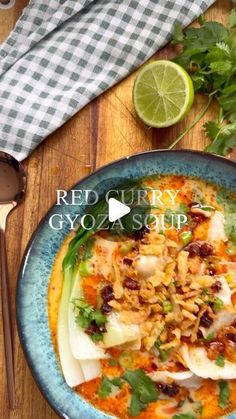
(116,209)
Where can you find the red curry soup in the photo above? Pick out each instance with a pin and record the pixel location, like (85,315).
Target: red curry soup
(145,326)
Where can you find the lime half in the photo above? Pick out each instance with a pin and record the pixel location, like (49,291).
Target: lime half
(163,93)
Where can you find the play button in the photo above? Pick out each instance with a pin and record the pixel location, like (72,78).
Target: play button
(117,210)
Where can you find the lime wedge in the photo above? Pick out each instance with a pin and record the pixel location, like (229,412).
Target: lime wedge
(163,93)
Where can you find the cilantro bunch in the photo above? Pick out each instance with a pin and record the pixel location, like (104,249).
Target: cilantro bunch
(209,55)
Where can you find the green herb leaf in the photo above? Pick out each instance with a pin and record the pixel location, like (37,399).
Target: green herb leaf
(184,416)
(220,361)
(227,101)
(96,336)
(209,337)
(106,384)
(85,314)
(105,388)
(229,204)
(112,362)
(224,394)
(178,35)
(232,19)
(171,217)
(143,390)
(223,137)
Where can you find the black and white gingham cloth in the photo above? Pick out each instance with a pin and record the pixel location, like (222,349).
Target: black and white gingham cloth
(64,53)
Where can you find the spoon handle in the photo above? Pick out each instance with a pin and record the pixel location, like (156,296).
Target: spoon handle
(7,328)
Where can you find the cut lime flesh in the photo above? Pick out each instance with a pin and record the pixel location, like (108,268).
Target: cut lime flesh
(163,93)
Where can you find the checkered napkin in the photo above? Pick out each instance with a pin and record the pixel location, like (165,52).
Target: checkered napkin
(64,53)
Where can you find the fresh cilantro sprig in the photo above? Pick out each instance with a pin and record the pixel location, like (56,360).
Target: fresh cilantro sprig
(106,385)
(87,315)
(209,55)
(144,390)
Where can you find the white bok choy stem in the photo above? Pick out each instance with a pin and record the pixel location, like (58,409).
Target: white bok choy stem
(82,347)
(71,367)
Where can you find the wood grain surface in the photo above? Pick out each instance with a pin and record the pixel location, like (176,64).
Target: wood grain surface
(105,130)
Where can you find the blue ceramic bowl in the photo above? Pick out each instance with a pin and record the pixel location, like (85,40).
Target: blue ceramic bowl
(31,298)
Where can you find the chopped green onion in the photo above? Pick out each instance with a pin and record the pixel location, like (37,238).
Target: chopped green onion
(218,304)
(151,219)
(224,394)
(125,248)
(220,361)
(112,362)
(233,236)
(231,249)
(126,360)
(207,208)
(186,236)
(85,268)
(167,306)
(164,354)
(209,337)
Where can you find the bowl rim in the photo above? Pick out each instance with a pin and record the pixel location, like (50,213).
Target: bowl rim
(40,225)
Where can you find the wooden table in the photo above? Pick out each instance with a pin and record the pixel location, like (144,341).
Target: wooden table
(103,131)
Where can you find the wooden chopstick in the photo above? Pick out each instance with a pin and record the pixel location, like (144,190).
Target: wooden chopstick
(7,328)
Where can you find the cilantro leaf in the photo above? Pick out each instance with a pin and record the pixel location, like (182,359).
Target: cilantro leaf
(106,384)
(223,137)
(136,406)
(232,19)
(221,67)
(227,101)
(184,416)
(143,390)
(87,315)
(105,388)
(224,394)
(96,336)
(178,35)
(98,317)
